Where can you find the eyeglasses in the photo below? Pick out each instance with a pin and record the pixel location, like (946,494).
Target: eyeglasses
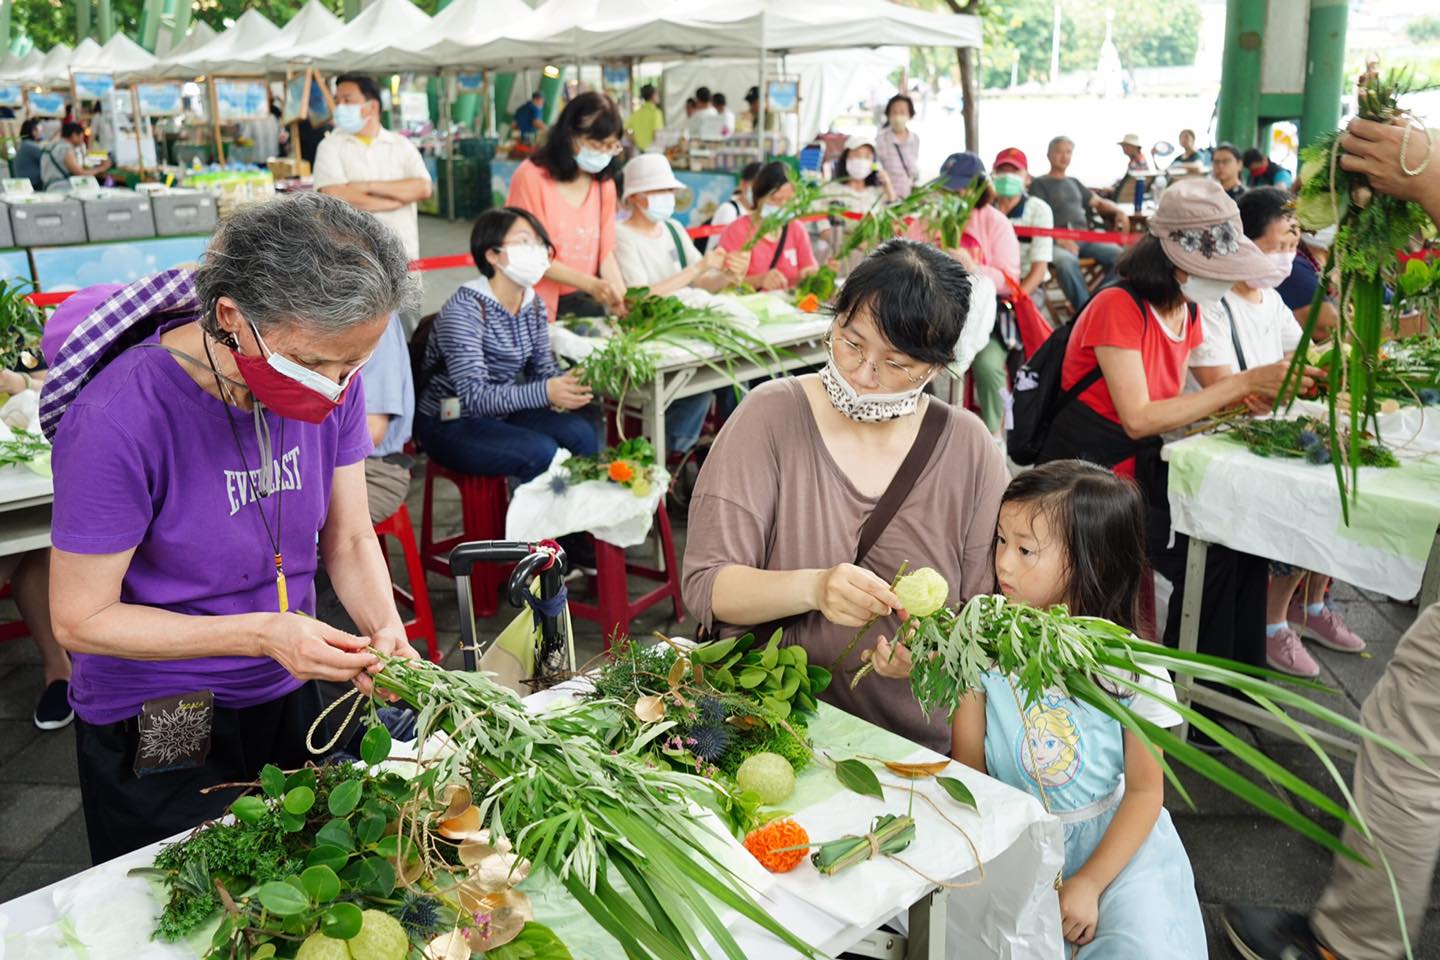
(612,147)
(849,356)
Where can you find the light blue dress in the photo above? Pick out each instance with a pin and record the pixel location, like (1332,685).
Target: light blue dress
(1150,909)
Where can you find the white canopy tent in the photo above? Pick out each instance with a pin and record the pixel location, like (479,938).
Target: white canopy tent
(17,68)
(231,51)
(119,56)
(477,21)
(373,32)
(200,34)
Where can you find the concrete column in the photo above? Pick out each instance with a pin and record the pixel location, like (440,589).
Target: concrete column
(1240,72)
(1324,70)
(82,19)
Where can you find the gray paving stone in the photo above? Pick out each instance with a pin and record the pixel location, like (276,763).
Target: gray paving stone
(16,735)
(67,843)
(49,758)
(30,813)
(20,687)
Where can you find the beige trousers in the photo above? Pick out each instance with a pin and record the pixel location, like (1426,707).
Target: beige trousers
(1400,803)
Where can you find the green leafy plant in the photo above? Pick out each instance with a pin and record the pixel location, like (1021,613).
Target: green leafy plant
(1304,438)
(942,212)
(630,464)
(820,284)
(21,326)
(22,448)
(889,834)
(808,196)
(1371,230)
(553,785)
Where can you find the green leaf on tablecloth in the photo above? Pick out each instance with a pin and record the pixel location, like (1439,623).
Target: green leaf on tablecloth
(282,899)
(857,776)
(958,791)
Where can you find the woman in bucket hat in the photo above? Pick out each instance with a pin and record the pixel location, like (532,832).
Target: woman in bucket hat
(1131,345)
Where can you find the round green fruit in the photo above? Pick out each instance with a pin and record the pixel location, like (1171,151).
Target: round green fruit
(381,937)
(317,946)
(769,775)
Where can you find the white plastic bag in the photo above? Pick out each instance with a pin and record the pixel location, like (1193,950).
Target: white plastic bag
(551,506)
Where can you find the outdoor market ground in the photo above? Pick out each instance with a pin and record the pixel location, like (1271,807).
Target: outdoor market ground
(1239,856)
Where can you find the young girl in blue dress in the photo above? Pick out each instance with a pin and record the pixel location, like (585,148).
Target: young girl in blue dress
(1073,533)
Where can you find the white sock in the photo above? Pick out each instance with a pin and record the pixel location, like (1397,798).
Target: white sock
(1273,628)
(1315,609)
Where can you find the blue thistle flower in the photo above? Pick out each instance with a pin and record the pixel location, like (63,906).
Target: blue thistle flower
(710,742)
(712,711)
(420,916)
(558,485)
(1430,396)
(1319,456)
(1309,439)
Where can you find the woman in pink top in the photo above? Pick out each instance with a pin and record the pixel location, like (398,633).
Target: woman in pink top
(569,184)
(781,258)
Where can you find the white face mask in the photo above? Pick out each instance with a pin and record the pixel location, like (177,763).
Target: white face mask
(349,117)
(527,263)
(1205,292)
(859,168)
(593,161)
(768,210)
(899,120)
(303,375)
(1283,262)
(870,407)
(660,207)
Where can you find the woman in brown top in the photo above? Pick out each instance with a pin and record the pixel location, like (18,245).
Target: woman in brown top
(776,517)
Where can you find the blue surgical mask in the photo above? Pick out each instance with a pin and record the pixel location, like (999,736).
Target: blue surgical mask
(661,207)
(593,161)
(348,117)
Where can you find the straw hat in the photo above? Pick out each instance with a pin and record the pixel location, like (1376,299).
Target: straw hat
(1199,227)
(1131,140)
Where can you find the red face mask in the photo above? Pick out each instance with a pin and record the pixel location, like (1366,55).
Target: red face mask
(285,393)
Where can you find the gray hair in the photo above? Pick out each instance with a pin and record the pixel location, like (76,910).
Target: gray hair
(311,260)
(1056,141)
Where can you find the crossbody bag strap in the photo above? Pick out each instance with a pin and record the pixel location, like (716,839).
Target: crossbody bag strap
(926,440)
(1235,338)
(780,246)
(679,247)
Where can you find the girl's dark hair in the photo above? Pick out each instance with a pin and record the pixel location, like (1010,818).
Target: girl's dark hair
(751,170)
(770,178)
(1229,148)
(592,115)
(842,174)
(899,98)
(490,230)
(1100,519)
(1262,206)
(1148,271)
(918,297)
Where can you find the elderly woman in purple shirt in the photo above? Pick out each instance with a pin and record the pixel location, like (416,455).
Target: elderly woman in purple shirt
(209,433)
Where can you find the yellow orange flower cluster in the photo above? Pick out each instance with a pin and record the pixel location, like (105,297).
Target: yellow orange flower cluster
(770,845)
(621,472)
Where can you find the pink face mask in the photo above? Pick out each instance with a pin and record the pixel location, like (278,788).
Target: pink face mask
(281,385)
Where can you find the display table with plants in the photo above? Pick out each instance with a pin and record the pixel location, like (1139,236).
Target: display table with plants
(603,820)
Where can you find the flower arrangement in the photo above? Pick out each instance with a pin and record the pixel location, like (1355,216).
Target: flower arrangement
(1306,438)
(630,464)
(780,845)
(21,326)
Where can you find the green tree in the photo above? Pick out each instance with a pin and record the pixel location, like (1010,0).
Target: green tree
(1424,30)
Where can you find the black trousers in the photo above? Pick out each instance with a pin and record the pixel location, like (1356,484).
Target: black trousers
(124,812)
(1232,618)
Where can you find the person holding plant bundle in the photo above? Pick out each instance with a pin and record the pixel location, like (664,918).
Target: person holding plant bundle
(654,251)
(859,185)
(569,185)
(1356,918)
(820,487)
(897,147)
(229,439)
(780,258)
(1074,533)
(494,402)
(1253,327)
(1123,373)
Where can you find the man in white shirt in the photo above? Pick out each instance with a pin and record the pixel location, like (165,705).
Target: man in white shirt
(706,119)
(369,167)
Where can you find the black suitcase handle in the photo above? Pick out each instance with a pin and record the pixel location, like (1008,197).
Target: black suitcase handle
(530,561)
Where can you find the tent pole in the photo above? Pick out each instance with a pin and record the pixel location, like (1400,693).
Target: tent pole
(135,117)
(760,117)
(449,146)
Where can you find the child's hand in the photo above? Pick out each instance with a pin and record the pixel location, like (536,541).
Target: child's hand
(889,660)
(1079,909)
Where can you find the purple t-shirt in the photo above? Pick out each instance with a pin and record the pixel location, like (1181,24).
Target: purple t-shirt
(144,459)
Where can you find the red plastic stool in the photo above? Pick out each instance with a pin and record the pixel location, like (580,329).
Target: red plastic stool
(612,589)
(417,598)
(483,501)
(16,629)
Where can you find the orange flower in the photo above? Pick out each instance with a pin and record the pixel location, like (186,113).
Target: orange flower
(768,845)
(809,303)
(621,472)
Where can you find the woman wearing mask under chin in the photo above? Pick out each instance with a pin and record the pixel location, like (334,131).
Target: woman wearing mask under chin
(897,147)
(569,185)
(1127,356)
(792,524)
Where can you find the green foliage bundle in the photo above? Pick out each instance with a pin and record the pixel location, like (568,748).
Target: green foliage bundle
(21,326)
(942,212)
(22,448)
(1305,438)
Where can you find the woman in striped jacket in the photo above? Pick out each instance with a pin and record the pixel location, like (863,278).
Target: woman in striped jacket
(496,403)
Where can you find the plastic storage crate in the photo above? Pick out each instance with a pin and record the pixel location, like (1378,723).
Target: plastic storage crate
(56,221)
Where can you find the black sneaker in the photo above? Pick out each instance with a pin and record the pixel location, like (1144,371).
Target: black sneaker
(53,711)
(1264,933)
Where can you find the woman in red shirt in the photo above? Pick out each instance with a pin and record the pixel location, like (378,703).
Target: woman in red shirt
(1134,341)
(780,259)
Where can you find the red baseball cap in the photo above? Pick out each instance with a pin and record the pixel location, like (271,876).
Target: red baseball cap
(1011,156)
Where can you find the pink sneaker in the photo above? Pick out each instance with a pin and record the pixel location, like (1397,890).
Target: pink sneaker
(1327,628)
(1285,652)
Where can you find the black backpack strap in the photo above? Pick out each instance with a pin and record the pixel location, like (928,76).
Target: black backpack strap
(780,246)
(1091,376)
